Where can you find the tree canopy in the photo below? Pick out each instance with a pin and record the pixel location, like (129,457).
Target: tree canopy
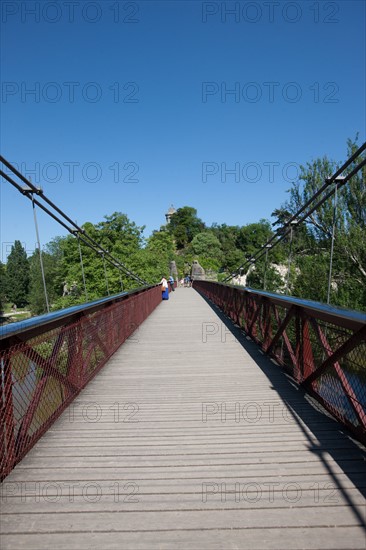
(185,225)
(17,275)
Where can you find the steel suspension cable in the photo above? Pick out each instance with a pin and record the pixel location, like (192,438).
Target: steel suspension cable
(105,274)
(332,244)
(40,256)
(82,267)
(87,238)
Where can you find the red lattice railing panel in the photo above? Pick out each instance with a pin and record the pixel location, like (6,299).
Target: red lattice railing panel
(323,348)
(44,367)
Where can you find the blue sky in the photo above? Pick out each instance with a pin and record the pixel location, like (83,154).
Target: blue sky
(131,107)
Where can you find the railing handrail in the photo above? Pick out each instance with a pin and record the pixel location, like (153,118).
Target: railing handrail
(344,317)
(56,318)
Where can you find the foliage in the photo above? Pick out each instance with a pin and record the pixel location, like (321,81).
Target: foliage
(207,245)
(312,281)
(253,236)
(228,237)
(17,275)
(153,260)
(185,225)
(118,236)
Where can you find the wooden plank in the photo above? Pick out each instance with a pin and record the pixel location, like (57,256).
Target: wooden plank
(120,498)
(326,538)
(125,521)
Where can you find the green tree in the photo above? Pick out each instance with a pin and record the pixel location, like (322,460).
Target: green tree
(253,236)
(17,275)
(121,238)
(283,216)
(206,244)
(153,260)
(185,225)
(228,236)
(119,235)
(312,267)
(206,247)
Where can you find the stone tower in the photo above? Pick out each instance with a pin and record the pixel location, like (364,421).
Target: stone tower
(197,271)
(169,214)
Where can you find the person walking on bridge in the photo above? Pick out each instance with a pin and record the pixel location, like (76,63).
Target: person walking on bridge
(171,282)
(164,288)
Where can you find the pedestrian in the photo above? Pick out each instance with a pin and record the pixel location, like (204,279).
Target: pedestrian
(164,289)
(171,282)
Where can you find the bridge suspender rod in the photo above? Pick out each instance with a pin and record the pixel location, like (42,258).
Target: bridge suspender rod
(332,245)
(40,254)
(105,274)
(82,267)
(289,262)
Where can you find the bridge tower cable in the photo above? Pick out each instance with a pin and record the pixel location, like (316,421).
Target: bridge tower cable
(87,239)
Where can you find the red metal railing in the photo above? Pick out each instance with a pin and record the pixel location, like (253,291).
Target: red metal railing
(321,347)
(46,361)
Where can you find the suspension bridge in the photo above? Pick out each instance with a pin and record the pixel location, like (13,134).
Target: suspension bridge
(225,417)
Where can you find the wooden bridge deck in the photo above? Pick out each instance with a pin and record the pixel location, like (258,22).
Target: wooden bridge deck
(188,439)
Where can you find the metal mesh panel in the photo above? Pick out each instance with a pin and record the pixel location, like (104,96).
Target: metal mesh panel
(40,376)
